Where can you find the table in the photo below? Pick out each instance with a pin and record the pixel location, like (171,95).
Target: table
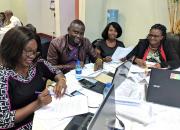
(145,116)
(94,99)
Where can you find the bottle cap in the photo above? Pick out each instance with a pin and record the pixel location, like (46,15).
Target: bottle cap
(108,85)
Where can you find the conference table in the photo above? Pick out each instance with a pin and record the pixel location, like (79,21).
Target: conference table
(131,106)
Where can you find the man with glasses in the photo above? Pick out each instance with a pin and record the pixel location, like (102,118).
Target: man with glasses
(65,50)
(155,49)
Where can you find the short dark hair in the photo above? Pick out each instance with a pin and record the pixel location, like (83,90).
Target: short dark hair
(38,39)
(12,45)
(31,27)
(77,21)
(3,14)
(160,27)
(116,26)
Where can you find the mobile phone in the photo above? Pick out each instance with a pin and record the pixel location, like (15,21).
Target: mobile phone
(74,93)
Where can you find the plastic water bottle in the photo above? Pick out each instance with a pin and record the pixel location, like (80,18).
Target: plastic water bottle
(78,70)
(106,89)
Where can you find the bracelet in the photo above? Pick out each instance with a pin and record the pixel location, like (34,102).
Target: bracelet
(99,59)
(63,79)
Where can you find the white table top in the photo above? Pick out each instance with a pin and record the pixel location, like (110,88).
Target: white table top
(146,116)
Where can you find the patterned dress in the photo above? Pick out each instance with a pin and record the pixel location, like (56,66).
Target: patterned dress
(17,91)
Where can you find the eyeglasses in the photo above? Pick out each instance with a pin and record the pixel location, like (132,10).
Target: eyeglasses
(153,36)
(30,53)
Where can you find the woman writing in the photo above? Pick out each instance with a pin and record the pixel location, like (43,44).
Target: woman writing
(155,49)
(21,74)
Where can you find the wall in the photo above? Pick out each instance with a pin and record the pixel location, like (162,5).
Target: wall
(19,9)
(135,16)
(67,14)
(4,5)
(94,18)
(34,13)
(39,14)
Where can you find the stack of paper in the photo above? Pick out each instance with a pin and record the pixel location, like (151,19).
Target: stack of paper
(121,53)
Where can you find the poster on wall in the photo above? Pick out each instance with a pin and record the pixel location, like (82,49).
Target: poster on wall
(112,15)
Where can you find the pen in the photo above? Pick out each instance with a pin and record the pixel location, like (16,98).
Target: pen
(68,95)
(50,93)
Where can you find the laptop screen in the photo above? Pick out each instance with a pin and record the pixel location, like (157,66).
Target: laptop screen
(121,73)
(105,117)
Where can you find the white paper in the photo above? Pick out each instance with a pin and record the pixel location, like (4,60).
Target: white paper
(128,89)
(71,106)
(121,53)
(141,113)
(138,69)
(94,98)
(64,107)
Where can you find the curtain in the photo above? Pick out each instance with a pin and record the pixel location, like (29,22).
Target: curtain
(174,15)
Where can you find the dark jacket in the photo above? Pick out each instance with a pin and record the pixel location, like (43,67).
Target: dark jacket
(172,59)
(58,52)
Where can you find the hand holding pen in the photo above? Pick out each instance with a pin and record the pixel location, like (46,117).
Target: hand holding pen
(44,97)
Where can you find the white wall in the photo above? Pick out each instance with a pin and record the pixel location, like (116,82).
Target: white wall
(67,14)
(39,14)
(94,18)
(4,5)
(135,16)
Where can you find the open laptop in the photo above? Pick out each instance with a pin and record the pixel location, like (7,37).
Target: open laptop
(105,117)
(105,114)
(164,87)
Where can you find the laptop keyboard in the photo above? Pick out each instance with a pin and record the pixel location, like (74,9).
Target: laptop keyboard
(80,122)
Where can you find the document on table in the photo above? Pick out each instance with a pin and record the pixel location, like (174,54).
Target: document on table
(141,113)
(104,78)
(64,107)
(94,99)
(121,53)
(72,106)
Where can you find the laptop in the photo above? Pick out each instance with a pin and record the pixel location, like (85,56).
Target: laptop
(105,114)
(164,87)
(105,117)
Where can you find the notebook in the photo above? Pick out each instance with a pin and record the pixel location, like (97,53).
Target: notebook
(164,87)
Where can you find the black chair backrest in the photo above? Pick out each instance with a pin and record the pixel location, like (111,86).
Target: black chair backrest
(95,42)
(45,42)
(175,41)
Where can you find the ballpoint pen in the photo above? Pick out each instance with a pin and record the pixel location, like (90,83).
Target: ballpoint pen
(50,93)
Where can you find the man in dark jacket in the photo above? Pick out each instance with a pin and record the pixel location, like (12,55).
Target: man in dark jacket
(65,50)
